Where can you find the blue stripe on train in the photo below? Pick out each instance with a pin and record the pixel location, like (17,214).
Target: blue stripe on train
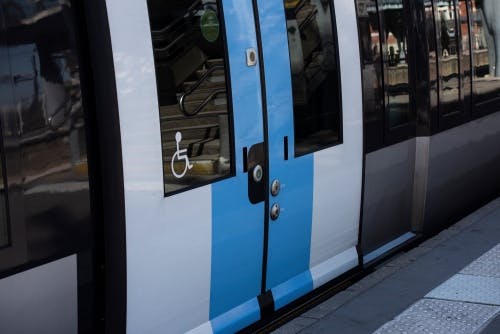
(238,318)
(237,225)
(291,290)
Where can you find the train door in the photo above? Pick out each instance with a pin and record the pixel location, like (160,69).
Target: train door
(241,156)
(314,139)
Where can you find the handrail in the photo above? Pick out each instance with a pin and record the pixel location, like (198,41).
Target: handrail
(202,104)
(195,86)
(61,108)
(170,45)
(308,18)
(180,18)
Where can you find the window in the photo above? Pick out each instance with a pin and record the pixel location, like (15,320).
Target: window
(4,231)
(395,61)
(485,41)
(448,57)
(44,133)
(430,24)
(373,107)
(312,42)
(191,74)
(5,96)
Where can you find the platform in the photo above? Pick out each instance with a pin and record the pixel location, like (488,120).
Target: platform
(448,284)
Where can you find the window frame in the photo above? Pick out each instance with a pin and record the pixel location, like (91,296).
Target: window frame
(230,111)
(340,139)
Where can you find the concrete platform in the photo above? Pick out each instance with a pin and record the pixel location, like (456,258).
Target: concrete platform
(449,284)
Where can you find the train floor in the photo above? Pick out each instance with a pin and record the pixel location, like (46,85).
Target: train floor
(448,284)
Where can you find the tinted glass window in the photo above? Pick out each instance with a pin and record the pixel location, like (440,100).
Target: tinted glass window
(395,60)
(485,40)
(448,49)
(373,94)
(430,25)
(4,232)
(5,98)
(315,74)
(191,74)
(44,128)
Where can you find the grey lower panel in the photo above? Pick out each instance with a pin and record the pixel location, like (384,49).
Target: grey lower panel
(41,300)
(388,246)
(464,165)
(440,317)
(388,192)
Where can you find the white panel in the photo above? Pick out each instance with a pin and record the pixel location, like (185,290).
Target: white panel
(42,300)
(334,267)
(338,170)
(206,328)
(168,239)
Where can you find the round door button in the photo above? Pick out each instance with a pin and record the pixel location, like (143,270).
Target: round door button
(275,211)
(275,187)
(258,173)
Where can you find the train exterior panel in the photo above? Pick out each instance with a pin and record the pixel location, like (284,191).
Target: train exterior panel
(216,277)
(200,166)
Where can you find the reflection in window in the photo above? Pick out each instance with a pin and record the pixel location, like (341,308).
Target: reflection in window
(315,74)
(394,48)
(485,40)
(373,107)
(4,232)
(47,120)
(448,56)
(191,79)
(430,25)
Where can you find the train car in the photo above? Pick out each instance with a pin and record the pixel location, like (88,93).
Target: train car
(203,166)
(430,116)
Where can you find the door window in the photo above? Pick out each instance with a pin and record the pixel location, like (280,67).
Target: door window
(395,61)
(373,107)
(448,48)
(317,106)
(4,231)
(192,80)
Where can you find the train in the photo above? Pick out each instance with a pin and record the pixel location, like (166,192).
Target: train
(200,166)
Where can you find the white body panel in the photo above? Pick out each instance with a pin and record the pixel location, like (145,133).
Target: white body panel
(338,170)
(168,242)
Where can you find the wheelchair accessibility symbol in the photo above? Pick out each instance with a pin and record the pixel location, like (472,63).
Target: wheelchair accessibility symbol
(179,156)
